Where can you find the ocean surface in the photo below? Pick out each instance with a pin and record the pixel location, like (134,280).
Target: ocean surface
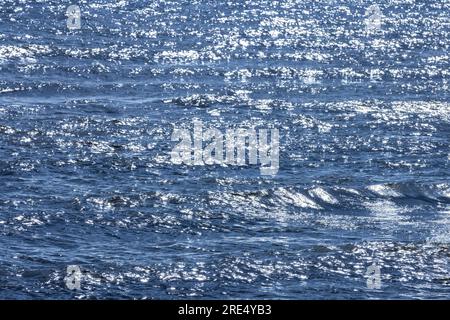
(86,178)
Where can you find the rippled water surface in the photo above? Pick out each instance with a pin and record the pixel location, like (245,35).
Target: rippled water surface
(86,118)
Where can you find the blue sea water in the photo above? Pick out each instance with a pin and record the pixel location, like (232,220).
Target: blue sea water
(86,179)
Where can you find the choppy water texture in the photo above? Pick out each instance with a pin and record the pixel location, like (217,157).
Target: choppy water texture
(86,118)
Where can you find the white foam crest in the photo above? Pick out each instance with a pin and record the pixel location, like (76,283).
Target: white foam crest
(323,195)
(297,199)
